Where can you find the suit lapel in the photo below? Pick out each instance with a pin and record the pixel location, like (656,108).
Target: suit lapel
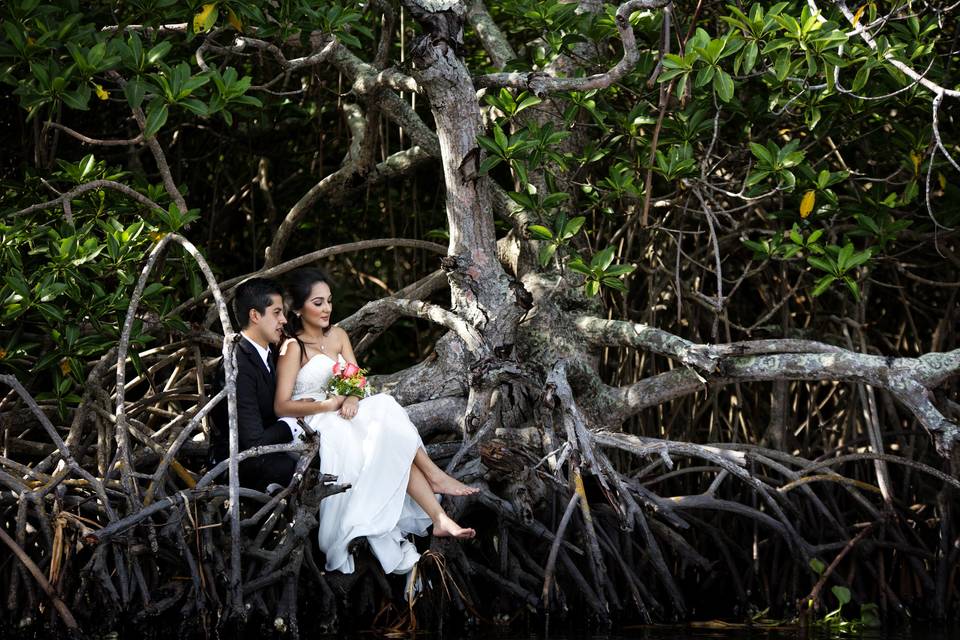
(251,353)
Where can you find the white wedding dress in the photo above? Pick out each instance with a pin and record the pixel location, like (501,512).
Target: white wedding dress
(373,453)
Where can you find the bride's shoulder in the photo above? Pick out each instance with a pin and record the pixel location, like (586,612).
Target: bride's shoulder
(291,346)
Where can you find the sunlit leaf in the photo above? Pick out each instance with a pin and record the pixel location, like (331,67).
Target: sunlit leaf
(806,204)
(204,19)
(234,20)
(857,15)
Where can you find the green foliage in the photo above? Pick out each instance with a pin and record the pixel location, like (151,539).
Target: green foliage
(759,93)
(775,162)
(834,620)
(601,271)
(558,237)
(67,283)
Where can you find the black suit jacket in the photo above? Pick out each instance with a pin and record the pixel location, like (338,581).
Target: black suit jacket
(256,421)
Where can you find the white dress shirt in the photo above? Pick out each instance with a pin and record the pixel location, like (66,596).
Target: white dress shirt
(263,351)
(295,429)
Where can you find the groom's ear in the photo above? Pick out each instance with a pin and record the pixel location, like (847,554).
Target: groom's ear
(253,317)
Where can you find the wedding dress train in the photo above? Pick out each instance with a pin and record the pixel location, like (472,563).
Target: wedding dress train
(373,453)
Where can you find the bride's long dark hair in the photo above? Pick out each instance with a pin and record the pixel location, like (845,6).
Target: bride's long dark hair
(299,285)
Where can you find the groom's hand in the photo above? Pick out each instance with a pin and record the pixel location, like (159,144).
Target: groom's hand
(349,407)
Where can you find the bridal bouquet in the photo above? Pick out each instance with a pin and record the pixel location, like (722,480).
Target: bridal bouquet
(348,380)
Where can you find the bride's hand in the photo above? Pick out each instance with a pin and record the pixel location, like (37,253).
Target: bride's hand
(333,403)
(349,407)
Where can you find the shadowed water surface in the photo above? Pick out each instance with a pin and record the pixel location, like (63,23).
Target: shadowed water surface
(701,631)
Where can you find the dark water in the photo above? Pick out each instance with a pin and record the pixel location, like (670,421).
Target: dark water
(696,631)
(737,632)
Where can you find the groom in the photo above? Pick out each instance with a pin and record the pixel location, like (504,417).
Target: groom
(258,307)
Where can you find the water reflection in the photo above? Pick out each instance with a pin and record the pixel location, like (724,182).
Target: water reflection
(701,631)
(722,631)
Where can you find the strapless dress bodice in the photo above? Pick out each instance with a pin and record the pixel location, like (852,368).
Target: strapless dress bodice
(313,377)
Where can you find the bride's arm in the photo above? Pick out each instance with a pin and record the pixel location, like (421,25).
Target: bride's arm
(350,404)
(288,366)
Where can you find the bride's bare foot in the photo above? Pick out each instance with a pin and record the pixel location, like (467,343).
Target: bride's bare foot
(448,486)
(445,527)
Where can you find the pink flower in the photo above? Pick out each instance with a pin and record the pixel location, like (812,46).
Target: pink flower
(336,368)
(362,383)
(350,370)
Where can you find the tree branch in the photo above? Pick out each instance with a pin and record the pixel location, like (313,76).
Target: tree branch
(350,167)
(94,185)
(889,56)
(94,141)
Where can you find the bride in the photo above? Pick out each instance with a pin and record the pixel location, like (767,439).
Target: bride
(370,444)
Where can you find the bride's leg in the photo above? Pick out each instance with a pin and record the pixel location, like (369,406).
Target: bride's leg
(421,492)
(439,481)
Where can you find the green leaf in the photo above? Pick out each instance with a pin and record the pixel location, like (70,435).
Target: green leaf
(817,565)
(488,163)
(572,227)
(156,118)
(490,145)
(158,51)
(77,99)
(757,177)
(591,288)
(860,80)
(16,282)
(577,265)
(842,594)
(500,137)
(540,232)
(852,286)
(823,284)
(134,91)
(96,54)
(136,49)
(619,270)
(613,283)
(762,249)
(761,153)
(858,259)
(529,101)
(195,106)
(525,200)
(723,85)
(86,165)
(843,258)
(750,56)
(602,259)
(781,65)
(546,253)
(823,263)
(520,169)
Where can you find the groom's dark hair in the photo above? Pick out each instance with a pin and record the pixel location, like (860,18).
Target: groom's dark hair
(253,294)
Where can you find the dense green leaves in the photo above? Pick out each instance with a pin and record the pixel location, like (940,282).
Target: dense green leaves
(756,123)
(67,284)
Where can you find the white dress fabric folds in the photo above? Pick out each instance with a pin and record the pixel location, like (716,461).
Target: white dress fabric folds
(373,453)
